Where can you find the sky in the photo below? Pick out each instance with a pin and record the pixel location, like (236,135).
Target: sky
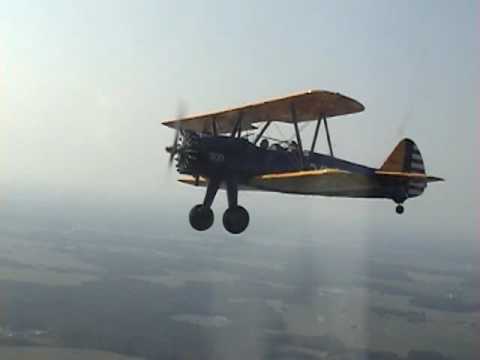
(84,87)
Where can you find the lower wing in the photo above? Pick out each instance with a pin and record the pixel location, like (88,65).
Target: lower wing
(332,182)
(329,182)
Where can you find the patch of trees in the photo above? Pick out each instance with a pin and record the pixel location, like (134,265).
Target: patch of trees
(445,303)
(409,315)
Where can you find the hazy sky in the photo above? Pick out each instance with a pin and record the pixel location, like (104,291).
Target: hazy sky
(85,85)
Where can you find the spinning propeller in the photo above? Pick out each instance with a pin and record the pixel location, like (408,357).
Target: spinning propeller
(174,148)
(182,145)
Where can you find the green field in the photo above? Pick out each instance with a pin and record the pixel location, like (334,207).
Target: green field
(137,292)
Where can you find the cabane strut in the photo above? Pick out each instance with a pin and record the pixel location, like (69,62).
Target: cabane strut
(315,135)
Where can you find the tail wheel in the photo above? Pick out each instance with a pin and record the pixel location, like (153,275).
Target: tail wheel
(201,217)
(399,209)
(236,219)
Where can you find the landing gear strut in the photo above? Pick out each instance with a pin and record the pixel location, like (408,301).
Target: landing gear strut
(235,218)
(399,199)
(201,216)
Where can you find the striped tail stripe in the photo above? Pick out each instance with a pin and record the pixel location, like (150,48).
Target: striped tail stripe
(414,161)
(417,166)
(416,188)
(417,157)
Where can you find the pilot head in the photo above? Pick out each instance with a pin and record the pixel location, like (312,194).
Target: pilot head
(264,144)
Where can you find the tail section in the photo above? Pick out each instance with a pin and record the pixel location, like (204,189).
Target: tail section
(407,159)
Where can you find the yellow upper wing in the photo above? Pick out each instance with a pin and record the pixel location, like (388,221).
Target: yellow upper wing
(308,106)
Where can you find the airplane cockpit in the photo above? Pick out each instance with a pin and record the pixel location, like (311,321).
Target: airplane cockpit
(278,145)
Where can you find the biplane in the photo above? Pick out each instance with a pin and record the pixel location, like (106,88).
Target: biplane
(213,151)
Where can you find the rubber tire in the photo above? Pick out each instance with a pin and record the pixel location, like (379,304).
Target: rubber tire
(201,218)
(236,219)
(399,209)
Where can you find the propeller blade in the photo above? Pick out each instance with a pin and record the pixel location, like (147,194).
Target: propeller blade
(173,149)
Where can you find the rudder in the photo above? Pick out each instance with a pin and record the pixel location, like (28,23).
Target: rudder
(406,158)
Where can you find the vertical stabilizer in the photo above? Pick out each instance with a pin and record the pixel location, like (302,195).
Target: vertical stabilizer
(406,158)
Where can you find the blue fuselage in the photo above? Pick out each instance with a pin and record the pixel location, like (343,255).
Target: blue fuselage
(224,156)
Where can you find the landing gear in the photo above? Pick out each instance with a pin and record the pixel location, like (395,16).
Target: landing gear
(400,197)
(235,219)
(201,217)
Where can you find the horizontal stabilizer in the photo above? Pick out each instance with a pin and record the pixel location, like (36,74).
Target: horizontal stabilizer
(409,175)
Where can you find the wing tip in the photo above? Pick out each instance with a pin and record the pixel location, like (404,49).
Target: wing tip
(190,180)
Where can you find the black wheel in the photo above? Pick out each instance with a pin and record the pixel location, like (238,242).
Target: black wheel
(399,209)
(235,219)
(201,217)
